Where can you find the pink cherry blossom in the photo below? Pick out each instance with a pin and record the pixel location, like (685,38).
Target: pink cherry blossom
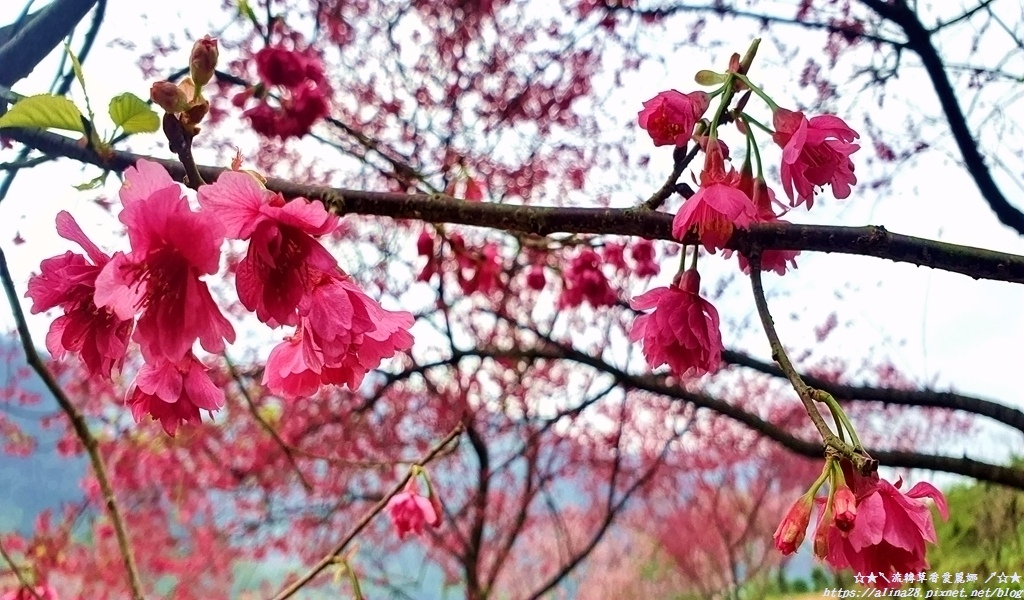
(173,392)
(718,207)
(274,276)
(682,332)
(171,247)
(69,281)
(410,511)
(342,335)
(585,281)
(670,117)
(815,152)
(643,254)
(889,532)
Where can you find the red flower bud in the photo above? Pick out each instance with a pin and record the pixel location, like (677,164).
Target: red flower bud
(169,97)
(844,504)
(790,533)
(204,60)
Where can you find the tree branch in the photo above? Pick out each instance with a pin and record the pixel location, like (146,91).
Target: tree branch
(874,241)
(38,36)
(80,427)
(920,42)
(918,398)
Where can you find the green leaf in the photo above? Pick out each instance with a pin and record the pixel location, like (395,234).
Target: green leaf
(80,75)
(43,112)
(246,11)
(132,114)
(94,183)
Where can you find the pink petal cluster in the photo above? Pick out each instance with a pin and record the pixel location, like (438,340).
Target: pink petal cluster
(719,205)
(301,86)
(342,335)
(283,258)
(585,281)
(288,278)
(410,511)
(670,117)
(815,152)
(99,336)
(889,528)
(172,246)
(479,269)
(174,392)
(682,332)
(642,253)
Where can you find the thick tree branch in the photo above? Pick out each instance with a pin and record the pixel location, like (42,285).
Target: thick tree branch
(551,350)
(39,34)
(897,397)
(919,40)
(543,220)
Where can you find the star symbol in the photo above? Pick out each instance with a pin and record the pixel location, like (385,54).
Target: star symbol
(1015,578)
(871,578)
(1003,577)
(858,578)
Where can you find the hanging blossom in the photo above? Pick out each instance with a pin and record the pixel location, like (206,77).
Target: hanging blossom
(815,152)
(279,267)
(718,207)
(173,392)
(889,528)
(172,246)
(288,278)
(669,117)
(299,81)
(585,281)
(97,335)
(39,592)
(682,332)
(343,334)
(410,511)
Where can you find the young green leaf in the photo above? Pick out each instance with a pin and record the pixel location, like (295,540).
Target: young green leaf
(80,75)
(132,114)
(43,112)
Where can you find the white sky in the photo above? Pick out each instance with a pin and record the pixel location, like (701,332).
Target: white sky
(937,327)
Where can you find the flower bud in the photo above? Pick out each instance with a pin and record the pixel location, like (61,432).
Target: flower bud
(844,503)
(790,533)
(169,97)
(203,60)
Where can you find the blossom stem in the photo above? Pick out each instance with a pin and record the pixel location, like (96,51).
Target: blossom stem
(760,93)
(79,425)
(805,392)
(839,414)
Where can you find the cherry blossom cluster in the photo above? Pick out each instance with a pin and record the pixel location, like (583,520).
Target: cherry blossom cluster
(815,153)
(296,81)
(865,524)
(154,295)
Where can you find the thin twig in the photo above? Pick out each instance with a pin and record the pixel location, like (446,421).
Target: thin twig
(285,447)
(22,580)
(807,394)
(80,426)
(330,557)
